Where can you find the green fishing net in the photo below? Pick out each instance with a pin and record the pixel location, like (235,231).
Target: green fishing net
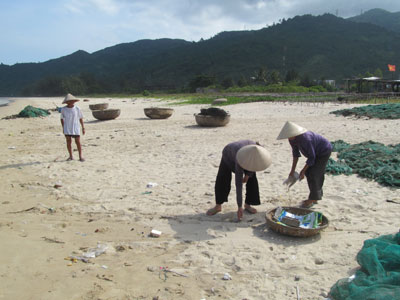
(379,111)
(338,168)
(370,159)
(379,275)
(33,112)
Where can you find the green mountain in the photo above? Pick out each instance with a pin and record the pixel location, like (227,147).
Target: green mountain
(317,46)
(380,17)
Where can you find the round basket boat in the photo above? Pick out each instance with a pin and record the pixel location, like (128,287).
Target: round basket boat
(158,112)
(211,121)
(294,231)
(99,106)
(106,114)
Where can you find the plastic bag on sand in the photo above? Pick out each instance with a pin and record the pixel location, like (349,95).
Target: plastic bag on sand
(94,252)
(291,179)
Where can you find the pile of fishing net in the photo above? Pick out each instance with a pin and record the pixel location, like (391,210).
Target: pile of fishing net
(33,112)
(379,275)
(213,111)
(381,111)
(370,159)
(30,112)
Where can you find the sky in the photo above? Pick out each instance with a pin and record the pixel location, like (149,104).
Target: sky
(40,30)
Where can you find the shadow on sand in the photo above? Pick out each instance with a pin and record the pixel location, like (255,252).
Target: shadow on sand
(200,227)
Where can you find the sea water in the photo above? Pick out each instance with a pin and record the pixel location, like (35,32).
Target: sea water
(4,101)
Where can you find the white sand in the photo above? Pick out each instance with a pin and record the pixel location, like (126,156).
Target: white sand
(103,200)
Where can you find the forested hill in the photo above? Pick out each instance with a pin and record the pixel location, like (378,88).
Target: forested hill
(380,17)
(319,46)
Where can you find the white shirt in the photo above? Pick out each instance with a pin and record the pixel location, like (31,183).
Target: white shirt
(71,117)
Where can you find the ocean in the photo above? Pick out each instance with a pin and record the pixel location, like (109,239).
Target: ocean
(4,101)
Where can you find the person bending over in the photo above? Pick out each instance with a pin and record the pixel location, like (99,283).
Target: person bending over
(316,149)
(242,158)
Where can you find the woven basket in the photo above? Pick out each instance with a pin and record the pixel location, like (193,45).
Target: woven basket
(99,106)
(211,121)
(294,231)
(158,113)
(106,114)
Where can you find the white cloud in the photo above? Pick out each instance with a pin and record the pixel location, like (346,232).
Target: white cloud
(109,7)
(68,25)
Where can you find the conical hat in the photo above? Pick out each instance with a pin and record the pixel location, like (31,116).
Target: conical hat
(289,130)
(69,97)
(253,158)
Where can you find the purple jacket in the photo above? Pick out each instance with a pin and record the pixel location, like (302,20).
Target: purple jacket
(311,145)
(229,157)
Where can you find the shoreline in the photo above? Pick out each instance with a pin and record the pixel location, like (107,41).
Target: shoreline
(5,101)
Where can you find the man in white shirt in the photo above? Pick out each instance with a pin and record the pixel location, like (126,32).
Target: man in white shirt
(71,121)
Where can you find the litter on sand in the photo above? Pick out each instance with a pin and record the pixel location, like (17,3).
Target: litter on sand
(291,180)
(227,276)
(155,233)
(308,221)
(151,184)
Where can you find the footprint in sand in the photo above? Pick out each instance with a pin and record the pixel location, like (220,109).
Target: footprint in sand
(215,234)
(359,206)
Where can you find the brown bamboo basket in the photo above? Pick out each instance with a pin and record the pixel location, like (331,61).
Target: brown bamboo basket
(106,114)
(212,121)
(294,231)
(98,106)
(158,112)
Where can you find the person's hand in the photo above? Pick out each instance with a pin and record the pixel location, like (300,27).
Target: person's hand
(302,174)
(245,178)
(83,131)
(240,213)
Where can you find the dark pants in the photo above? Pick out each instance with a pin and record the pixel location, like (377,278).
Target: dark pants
(223,186)
(316,176)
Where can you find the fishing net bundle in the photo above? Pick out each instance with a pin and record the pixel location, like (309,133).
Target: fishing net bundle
(369,159)
(379,275)
(380,111)
(213,111)
(33,112)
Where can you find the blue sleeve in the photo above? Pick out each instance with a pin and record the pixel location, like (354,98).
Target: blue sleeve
(295,149)
(308,150)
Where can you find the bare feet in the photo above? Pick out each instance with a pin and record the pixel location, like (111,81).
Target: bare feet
(213,211)
(308,203)
(250,209)
(82,159)
(70,158)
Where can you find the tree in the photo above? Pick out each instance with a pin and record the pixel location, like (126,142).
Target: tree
(261,76)
(242,81)
(291,75)
(274,77)
(378,73)
(74,85)
(227,82)
(368,74)
(49,86)
(306,81)
(201,81)
(90,81)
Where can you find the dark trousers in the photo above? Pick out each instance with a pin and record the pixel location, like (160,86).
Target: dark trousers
(316,176)
(223,186)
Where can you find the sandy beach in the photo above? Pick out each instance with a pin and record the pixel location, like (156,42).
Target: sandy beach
(142,174)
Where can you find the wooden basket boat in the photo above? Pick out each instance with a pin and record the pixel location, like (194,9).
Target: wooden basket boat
(212,121)
(158,112)
(106,114)
(99,106)
(294,231)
